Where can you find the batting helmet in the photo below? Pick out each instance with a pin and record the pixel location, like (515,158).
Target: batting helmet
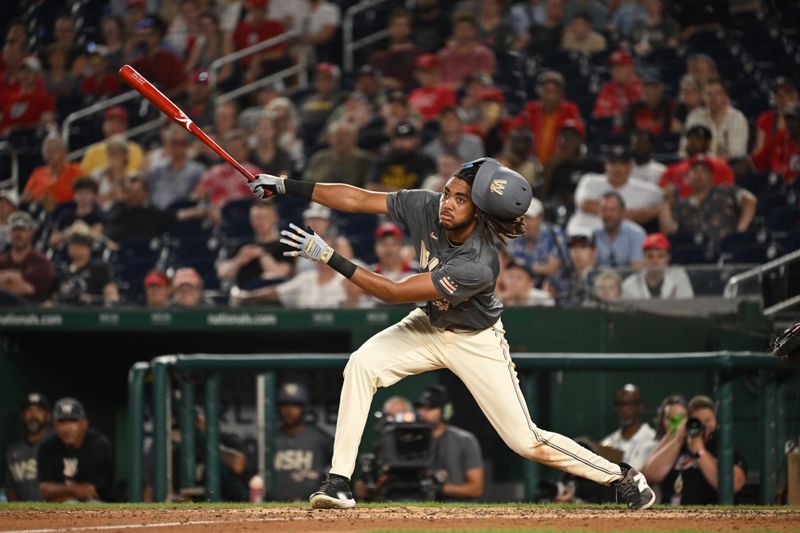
(499,191)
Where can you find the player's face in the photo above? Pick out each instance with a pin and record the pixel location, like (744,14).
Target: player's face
(290,414)
(71,432)
(708,418)
(456,210)
(35,418)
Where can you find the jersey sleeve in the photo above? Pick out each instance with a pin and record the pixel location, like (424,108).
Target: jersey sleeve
(460,278)
(402,204)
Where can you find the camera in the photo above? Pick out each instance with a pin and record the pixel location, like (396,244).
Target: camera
(694,427)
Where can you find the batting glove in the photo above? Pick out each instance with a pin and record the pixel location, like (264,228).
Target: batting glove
(308,244)
(266,185)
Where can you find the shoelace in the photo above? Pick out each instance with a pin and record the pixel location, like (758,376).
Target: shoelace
(628,488)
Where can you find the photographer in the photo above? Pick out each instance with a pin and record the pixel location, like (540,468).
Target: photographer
(685,462)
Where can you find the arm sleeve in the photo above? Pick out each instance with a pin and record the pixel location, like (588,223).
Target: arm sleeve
(472,453)
(738,136)
(460,278)
(403,203)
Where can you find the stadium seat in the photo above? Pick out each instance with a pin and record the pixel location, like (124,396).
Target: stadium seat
(783,219)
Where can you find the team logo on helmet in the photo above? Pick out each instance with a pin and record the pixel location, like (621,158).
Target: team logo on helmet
(498,186)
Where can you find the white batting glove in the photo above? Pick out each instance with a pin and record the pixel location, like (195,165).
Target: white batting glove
(266,185)
(308,244)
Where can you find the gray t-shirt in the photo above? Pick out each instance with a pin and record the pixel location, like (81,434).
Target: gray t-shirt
(301,461)
(22,471)
(465,275)
(455,452)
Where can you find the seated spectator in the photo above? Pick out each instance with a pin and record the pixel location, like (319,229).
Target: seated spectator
(431,24)
(225,122)
(527,13)
(133,217)
(51,184)
(781,154)
(568,165)
(112,31)
(404,167)
(657,279)
(154,61)
(491,124)
(211,44)
(76,463)
(84,281)
(267,154)
(494,27)
(690,97)
(676,178)
(642,199)
(608,286)
(115,121)
(546,33)
(183,29)
(670,414)
(370,84)
(101,81)
(433,95)
(66,37)
(728,125)
(771,123)
(686,463)
(542,247)
(187,288)
(252,263)
(447,164)
(356,111)
(621,91)
(9,199)
(176,178)
(518,155)
(222,183)
(712,209)
(453,138)
(580,37)
(58,79)
(21,475)
(655,31)
(703,68)
(29,105)
(256,27)
(343,161)
(24,271)
(285,119)
(392,261)
(320,25)
(518,287)
(15,49)
(470,95)
(653,112)
(547,115)
(627,15)
(619,241)
(318,106)
(113,178)
(633,437)
(571,285)
(199,102)
(156,290)
(645,168)
(464,53)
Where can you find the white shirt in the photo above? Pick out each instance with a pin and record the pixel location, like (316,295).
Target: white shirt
(636,193)
(729,138)
(649,172)
(326,14)
(676,285)
(636,450)
(305,291)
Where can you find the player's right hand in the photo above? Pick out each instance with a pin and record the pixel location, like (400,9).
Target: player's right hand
(267,185)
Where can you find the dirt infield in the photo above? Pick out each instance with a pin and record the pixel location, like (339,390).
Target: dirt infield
(224,520)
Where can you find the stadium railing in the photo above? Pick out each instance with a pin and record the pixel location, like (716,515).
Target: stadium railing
(349,44)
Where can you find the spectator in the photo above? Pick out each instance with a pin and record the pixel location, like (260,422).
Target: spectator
(431,25)
(15,49)
(548,114)
(471,97)
(66,38)
(266,153)
(686,464)
(491,125)
(211,44)
(222,183)
(155,62)
(256,28)
(547,33)
(51,184)
(645,168)
(286,121)
(253,263)
(494,28)
(518,155)
(690,97)
(318,106)
(302,451)
(183,31)
(24,271)
(570,162)
(621,91)
(673,410)
(608,286)
(541,249)
(187,288)
(653,112)
(115,122)
(370,84)
(628,15)
(518,287)
(58,79)
(133,217)
(84,280)
(86,209)
(619,241)
(642,199)
(75,464)
(771,123)
(676,177)
(432,96)
(101,81)
(728,125)
(447,164)
(702,68)
(633,437)
(580,37)
(112,30)
(112,179)
(199,103)
(526,14)
(457,464)
(156,290)
(30,105)
(21,476)
(712,209)
(404,167)
(392,261)
(657,279)
(176,178)
(571,285)
(656,31)
(136,11)
(453,138)
(781,154)
(320,26)
(355,110)
(464,53)
(343,162)
(8,204)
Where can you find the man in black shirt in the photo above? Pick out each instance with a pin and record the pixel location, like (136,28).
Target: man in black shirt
(405,166)
(84,280)
(76,463)
(21,483)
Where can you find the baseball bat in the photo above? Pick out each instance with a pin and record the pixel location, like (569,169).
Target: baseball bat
(148,90)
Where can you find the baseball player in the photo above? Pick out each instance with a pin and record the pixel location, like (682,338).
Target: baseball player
(455,233)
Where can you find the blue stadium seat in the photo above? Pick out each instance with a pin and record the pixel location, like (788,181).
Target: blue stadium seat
(783,219)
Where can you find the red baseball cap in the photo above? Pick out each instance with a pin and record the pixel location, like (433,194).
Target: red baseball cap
(573,125)
(116,113)
(700,159)
(621,57)
(426,62)
(491,94)
(199,76)
(327,68)
(156,278)
(656,241)
(257,3)
(388,229)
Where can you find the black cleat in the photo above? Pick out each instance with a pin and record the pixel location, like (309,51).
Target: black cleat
(333,494)
(633,488)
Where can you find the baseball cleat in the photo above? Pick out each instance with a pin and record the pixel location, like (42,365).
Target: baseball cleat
(333,494)
(633,488)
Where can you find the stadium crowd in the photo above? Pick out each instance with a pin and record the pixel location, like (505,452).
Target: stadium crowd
(655,134)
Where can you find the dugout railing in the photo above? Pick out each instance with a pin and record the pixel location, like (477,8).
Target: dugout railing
(166,370)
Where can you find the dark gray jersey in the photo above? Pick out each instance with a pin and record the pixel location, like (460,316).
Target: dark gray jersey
(465,275)
(21,470)
(301,461)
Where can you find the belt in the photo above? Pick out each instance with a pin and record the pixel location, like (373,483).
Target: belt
(459,330)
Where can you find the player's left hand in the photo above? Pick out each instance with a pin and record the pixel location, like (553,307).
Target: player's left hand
(308,244)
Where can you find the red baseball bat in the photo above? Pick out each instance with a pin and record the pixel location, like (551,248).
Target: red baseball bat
(146,89)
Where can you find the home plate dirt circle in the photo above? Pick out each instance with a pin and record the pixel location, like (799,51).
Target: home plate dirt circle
(289,519)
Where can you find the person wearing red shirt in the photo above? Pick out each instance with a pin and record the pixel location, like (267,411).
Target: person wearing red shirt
(31,105)
(162,67)
(770,123)
(255,28)
(51,183)
(14,51)
(432,96)
(546,115)
(676,177)
(621,91)
(222,182)
(782,153)
(654,111)
(100,82)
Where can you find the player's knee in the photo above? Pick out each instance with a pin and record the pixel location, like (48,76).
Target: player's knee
(359,363)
